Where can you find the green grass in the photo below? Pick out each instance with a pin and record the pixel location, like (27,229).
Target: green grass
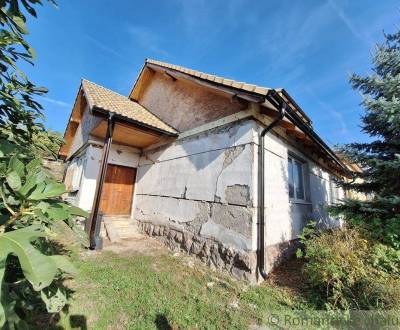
(160,292)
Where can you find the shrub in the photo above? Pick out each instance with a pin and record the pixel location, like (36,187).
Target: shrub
(349,272)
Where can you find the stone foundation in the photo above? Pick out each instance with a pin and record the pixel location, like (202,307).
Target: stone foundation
(240,264)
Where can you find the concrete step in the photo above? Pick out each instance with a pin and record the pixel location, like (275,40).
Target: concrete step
(122,223)
(117,218)
(120,227)
(129,233)
(112,232)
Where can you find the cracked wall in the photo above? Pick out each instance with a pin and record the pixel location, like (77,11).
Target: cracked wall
(285,218)
(202,185)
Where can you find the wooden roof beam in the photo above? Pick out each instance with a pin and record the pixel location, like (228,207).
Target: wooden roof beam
(296,133)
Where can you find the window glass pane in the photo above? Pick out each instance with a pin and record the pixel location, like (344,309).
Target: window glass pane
(298,177)
(334,190)
(290,171)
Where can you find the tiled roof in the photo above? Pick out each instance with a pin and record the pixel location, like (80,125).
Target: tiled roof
(242,86)
(219,80)
(108,100)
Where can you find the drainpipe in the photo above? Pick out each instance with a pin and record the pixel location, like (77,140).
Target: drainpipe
(92,222)
(261,191)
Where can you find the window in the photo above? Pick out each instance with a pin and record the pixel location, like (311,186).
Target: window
(334,190)
(296,179)
(73,175)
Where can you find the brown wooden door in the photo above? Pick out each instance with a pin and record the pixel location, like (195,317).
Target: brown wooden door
(117,194)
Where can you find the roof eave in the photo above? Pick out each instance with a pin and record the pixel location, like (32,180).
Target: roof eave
(297,121)
(122,118)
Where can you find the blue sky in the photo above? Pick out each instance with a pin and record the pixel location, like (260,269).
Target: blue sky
(307,47)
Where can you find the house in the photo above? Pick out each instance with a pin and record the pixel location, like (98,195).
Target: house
(224,170)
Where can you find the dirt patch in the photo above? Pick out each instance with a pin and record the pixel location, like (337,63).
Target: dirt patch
(137,245)
(289,276)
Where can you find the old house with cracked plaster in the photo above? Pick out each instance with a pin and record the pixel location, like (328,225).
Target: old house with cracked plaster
(224,170)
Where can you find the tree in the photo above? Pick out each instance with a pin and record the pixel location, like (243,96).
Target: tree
(21,117)
(380,158)
(32,215)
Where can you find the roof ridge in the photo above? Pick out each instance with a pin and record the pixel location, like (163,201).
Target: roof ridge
(91,82)
(229,82)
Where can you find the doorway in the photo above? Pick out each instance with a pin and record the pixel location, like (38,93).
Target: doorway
(118,189)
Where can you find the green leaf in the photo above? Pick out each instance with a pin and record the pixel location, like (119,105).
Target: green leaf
(29,184)
(54,301)
(47,189)
(19,23)
(78,211)
(6,147)
(43,206)
(16,165)
(57,212)
(33,165)
(39,269)
(64,265)
(14,181)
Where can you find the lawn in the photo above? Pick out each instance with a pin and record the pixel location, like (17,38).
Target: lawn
(122,291)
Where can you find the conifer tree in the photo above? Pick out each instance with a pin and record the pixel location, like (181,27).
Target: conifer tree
(379,158)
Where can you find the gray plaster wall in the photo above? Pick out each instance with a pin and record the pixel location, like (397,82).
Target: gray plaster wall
(203,184)
(207,185)
(285,218)
(185,105)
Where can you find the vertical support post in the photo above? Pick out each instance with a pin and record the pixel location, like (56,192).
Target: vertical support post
(100,182)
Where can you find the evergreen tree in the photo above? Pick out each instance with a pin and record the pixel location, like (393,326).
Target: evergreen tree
(380,158)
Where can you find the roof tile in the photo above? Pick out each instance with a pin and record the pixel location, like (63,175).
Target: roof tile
(104,98)
(213,78)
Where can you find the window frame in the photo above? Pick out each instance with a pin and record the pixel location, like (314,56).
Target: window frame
(294,159)
(333,190)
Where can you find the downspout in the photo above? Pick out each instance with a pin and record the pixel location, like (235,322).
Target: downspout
(261,191)
(100,181)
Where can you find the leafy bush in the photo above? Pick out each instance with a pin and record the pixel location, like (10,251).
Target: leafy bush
(349,272)
(31,216)
(379,218)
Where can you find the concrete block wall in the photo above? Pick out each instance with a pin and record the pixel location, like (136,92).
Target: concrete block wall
(284,218)
(198,194)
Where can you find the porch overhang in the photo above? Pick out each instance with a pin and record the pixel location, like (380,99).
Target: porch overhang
(134,125)
(129,132)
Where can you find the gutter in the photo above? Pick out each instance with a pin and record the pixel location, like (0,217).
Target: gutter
(93,221)
(261,191)
(274,98)
(284,111)
(120,118)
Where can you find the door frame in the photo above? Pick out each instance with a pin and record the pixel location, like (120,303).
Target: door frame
(134,188)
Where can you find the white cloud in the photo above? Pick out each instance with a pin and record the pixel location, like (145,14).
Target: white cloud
(104,47)
(334,116)
(55,102)
(147,39)
(349,23)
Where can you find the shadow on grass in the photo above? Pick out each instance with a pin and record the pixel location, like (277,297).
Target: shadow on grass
(162,323)
(78,322)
